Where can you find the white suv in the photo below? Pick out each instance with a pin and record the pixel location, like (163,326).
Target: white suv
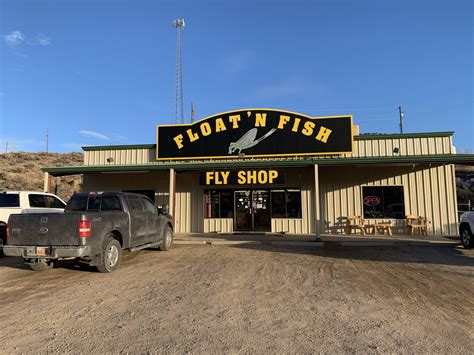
(466,229)
(26,202)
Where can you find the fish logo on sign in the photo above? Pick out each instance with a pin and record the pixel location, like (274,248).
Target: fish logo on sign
(248,140)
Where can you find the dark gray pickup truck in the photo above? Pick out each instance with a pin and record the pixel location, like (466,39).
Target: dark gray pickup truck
(95,228)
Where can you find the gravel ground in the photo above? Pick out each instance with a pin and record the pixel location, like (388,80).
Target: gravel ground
(246,298)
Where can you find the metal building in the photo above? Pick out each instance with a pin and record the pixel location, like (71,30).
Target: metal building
(303,175)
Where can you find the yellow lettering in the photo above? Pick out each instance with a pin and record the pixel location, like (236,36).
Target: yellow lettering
(262,177)
(206,129)
(273,175)
(209,177)
(323,134)
(241,177)
(235,120)
(283,121)
(179,141)
(308,128)
(296,124)
(192,136)
(251,177)
(220,126)
(225,176)
(260,120)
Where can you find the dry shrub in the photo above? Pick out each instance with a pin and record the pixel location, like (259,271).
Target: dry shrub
(22,171)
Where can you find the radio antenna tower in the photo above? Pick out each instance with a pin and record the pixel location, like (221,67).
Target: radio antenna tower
(178,109)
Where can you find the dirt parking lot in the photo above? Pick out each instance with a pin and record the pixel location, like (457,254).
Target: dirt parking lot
(246,298)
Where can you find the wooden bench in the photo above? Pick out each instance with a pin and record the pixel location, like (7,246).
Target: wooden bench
(415,223)
(355,223)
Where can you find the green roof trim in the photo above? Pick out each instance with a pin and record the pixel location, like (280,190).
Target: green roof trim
(396,160)
(357,138)
(111,147)
(402,135)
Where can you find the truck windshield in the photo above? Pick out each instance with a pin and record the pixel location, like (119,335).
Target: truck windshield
(9,200)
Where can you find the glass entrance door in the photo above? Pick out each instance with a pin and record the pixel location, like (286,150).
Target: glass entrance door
(243,211)
(252,210)
(261,210)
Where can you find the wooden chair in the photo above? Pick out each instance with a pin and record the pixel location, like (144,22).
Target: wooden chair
(355,223)
(415,223)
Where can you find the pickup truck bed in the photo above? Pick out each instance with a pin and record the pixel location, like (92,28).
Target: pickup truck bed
(92,227)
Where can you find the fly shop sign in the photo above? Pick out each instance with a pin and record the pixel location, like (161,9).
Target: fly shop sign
(255,133)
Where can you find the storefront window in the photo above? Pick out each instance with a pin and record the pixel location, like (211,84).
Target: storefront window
(293,203)
(227,204)
(284,203)
(383,202)
(278,204)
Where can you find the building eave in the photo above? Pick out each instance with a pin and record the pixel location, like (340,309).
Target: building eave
(467,159)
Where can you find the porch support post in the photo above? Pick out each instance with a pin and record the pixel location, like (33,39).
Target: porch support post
(47,182)
(172,193)
(317,209)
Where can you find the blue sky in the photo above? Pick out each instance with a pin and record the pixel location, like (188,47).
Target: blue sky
(102,72)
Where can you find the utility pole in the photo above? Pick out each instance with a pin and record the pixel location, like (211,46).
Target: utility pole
(47,140)
(178,108)
(400,113)
(6,148)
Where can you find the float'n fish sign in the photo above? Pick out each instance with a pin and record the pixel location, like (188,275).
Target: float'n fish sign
(255,132)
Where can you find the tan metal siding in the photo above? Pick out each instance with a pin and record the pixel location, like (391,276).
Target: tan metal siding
(362,148)
(119,156)
(158,181)
(219,225)
(428,191)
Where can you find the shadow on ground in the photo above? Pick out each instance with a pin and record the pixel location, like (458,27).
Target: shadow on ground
(445,255)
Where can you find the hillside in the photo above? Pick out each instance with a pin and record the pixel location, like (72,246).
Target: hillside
(22,171)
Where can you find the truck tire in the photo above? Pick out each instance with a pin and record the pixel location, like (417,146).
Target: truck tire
(466,237)
(40,265)
(167,242)
(111,255)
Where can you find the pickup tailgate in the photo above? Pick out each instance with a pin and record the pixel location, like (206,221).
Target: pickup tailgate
(44,229)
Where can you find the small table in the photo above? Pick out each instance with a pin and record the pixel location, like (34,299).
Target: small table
(385,226)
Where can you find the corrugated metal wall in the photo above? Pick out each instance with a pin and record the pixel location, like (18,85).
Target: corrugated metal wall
(429,191)
(157,180)
(362,148)
(119,156)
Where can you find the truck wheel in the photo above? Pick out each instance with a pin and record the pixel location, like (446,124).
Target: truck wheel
(40,265)
(466,238)
(167,242)
(111,255)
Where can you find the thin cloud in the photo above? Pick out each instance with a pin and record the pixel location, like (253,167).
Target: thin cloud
(14,38)
(92,134)
(39,40)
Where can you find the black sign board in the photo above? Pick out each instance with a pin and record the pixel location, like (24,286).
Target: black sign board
(242,177)
(255,133)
